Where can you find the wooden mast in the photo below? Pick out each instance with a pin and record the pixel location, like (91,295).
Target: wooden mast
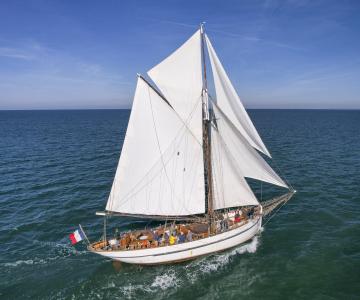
(206,136)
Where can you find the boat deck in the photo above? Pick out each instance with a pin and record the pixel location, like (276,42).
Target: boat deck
(173,234)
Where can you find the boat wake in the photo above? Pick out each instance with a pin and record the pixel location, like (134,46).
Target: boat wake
(57,251)
(166,280)
(218,261)
(178,276)
(133,282)
(35,261)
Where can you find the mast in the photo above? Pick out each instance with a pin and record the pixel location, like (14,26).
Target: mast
(206,136)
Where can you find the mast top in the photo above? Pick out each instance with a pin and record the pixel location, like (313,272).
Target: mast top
(202,27)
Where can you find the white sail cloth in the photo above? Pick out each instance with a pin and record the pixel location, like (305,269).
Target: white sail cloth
(228,142)
(161,168)
(179,78)
(229,102)
(230,187)
(160,171)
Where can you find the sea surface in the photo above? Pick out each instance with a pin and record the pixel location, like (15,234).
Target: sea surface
(56,170)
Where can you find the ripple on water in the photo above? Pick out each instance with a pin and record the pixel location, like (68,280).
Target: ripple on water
(163,281)
(57,169)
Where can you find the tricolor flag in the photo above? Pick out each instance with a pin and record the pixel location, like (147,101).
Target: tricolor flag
(76,236)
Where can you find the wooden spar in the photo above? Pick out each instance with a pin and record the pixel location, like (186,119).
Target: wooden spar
(203,56)
(155,90)
(86,238)
(270,205)
(152,217)
(206,135)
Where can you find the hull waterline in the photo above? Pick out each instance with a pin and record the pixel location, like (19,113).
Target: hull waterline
(188,250)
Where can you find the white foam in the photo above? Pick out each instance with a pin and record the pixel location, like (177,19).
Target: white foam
(35,261)
(166,280)
(129,290)
(215,262)
(250,248)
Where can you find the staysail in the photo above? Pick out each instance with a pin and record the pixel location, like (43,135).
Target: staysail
(230,186)
(160,171)
(229,102)
(235,159)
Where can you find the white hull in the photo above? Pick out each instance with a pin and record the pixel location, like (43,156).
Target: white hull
(188,250)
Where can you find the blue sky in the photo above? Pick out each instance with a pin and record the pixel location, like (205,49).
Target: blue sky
(85,54)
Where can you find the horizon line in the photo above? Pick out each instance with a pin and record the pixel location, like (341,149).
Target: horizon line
(76,109)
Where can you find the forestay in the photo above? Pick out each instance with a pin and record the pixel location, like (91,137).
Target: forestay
(179,78)
(160,171)
(229,102)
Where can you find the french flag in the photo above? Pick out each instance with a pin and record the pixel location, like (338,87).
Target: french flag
(76,236)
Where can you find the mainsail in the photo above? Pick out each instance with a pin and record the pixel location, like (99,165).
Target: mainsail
(161,168)
(160,171)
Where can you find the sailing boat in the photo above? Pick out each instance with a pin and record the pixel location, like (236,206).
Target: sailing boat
(184,161)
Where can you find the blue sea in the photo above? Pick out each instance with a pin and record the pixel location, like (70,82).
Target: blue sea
(56,170)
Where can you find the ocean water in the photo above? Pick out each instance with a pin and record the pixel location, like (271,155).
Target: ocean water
(56,170)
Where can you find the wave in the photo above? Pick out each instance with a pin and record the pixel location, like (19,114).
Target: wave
(160,280)
(167,280)
(177,276)
(218,261)
(35,261)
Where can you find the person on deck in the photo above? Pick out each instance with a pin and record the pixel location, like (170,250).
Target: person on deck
(166,236)
(250,213)
(237,217)
(172,239)
(226,224)
(155,235)
(189,236)
(222,225)
(181,238)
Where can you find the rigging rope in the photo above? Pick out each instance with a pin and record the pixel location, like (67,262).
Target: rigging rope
(158,143)
(276,211)
(183,134)
(178,135)
(274,204)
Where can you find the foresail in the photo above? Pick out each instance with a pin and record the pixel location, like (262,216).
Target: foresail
(160,171)
(243,157)
(179,78)
(229,102)
(230,187)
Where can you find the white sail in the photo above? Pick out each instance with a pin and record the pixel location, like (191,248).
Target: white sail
(244,158)
(179,77)
(160,171)
(229,102)
(230,187)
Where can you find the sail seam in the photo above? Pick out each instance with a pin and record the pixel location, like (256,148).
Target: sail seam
(128,196)
(158,143)
(135,190)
